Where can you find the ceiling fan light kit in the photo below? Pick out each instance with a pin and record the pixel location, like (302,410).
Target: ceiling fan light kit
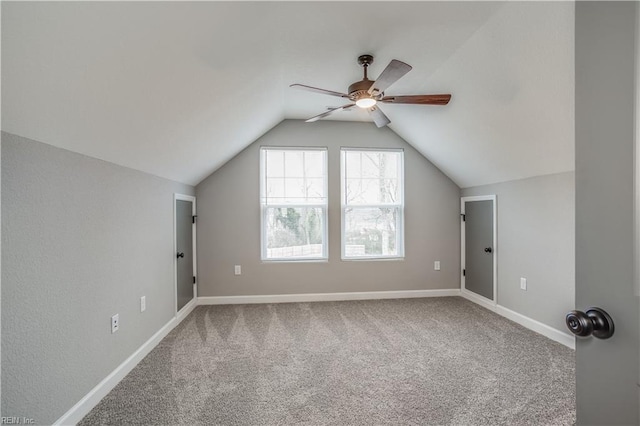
(365,102)
(366,94)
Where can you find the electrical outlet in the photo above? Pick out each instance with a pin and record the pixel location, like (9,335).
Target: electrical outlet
(115,323)
(523,284)
(143,303)
(436,265)
(237,269)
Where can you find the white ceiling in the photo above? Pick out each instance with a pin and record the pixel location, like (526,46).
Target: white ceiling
(176,89)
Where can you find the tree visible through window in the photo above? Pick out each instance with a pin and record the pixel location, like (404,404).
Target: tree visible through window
(372,203)
(293,198)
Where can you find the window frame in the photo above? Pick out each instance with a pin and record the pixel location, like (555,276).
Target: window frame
(400,206)
(265,206)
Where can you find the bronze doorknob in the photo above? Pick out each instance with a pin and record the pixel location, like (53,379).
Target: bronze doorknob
(595,322)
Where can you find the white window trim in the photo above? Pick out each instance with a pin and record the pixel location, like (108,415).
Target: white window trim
(323,206)
(400,206)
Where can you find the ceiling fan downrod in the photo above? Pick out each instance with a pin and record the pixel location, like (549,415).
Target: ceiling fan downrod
(359,89)
(365,61)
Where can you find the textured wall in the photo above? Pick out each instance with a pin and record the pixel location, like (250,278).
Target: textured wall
(82,239)
(229,223)
(536,237)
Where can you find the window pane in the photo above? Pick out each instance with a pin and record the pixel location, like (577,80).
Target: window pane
(371,231)
(295,190)
(293,163)
(352,190)
(294,177)
(315,190)
(388,191)
(372,177)
(275,188)
(372,166)
(275,163)
(372,191)
(385,164)
(314,164)
(294,232)
(352,164)
(390,164)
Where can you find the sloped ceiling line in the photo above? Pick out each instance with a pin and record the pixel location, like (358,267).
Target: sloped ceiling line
(176,89)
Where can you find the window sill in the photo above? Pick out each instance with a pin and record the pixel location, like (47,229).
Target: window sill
(275,261)
(373,259)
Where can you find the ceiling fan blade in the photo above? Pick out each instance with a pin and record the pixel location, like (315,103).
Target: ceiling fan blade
(418,99)
(317,90)
(328,112)
(378,116)
(390,75)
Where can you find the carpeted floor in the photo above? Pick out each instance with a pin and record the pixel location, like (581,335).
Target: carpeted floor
(435,361)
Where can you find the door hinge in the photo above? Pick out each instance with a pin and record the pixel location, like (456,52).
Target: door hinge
(463,216)
(193,218)
(194,280)
(464,272)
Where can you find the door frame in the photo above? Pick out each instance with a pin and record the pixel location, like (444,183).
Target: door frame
(185,308)
(481,300)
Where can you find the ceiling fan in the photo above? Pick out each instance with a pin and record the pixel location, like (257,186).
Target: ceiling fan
(366,93)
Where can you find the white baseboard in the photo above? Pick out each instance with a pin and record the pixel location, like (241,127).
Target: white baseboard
(95,395)
(186,309)
(534,325)
(480,300)
(550,332)
(326,297)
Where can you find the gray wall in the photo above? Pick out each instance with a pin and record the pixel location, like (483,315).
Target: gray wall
(82,239)
(229,223)
(536,238)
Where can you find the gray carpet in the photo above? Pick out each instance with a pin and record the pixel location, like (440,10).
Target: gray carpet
(436,361)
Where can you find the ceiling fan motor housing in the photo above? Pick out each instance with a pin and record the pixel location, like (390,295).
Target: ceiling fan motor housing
(359,90)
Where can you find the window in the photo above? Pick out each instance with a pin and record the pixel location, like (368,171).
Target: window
(372,203)
(293,200)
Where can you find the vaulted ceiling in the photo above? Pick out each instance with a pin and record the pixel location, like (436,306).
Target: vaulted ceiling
(176,89)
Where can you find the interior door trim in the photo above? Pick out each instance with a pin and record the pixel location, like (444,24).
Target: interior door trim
(192,199)
(467,293)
